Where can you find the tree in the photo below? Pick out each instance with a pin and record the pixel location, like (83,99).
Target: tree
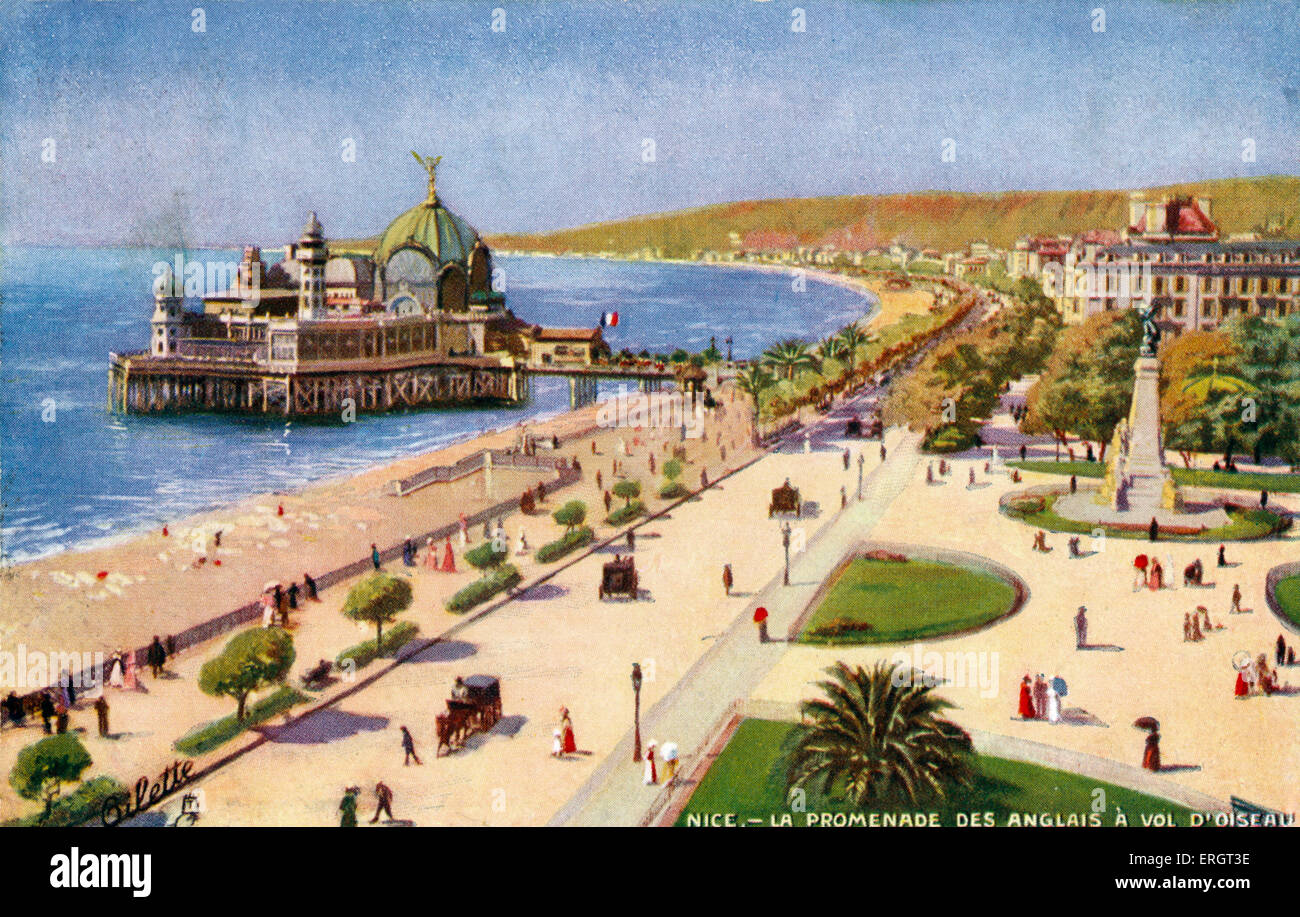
(879,735)
(832,348)
(790,356)
(1087,385)
(853,338)
(42,768)
(250,661)
(628,490)
(754,380)
(486,557)
(570,515)
(673,469)
(379,599)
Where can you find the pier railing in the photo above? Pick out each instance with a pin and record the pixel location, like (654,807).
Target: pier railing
(218,349)
(499,458)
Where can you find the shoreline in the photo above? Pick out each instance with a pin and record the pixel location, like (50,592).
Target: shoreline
(457,446)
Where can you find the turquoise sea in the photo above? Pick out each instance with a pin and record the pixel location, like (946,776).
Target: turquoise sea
(72,473)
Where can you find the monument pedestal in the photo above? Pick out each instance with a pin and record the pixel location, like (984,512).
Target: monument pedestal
(1137,479)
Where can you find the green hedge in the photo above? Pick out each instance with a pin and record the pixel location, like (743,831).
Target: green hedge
(626,513)
(951,438)
(579,537)
(218,732)
(361,655)
(78,807)
(481,590)
(673,491)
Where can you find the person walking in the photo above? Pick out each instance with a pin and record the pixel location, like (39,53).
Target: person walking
(1026,708)
(292,594)
(609,499)
(156,657)
(383,802)
(1081,628)
(348,807)
(101,714)
(408,746)
(882,449)
(1280,650)
(760,618)
(14,707)
(1153,530)
(374,555)
(47,710)
(1040,695)
(408,552)
(1236,599)
(727,580)
(309,585)
(568,739)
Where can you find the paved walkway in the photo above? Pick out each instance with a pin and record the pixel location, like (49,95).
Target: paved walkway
(737,663)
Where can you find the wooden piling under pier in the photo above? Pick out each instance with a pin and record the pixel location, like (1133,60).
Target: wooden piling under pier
(143,384)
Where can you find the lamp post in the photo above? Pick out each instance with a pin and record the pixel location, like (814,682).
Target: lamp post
(785,543)
(727,341)
(636,715)
(861,461)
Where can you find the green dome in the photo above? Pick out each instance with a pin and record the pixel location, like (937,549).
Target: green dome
(432,229)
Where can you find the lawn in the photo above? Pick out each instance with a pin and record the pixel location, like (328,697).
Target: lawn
(748,780)
(1278,482)
(1287,594)
(881,601)
(1244,524)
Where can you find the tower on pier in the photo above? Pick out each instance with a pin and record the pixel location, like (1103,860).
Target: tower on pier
(312,254)
(168,313)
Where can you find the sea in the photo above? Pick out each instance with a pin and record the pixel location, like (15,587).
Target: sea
(72,474)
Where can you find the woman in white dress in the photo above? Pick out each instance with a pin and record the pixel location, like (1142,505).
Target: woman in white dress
(521,544)
(115,671)
(1053,704)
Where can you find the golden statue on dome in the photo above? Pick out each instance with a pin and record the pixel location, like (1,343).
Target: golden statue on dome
(430,165)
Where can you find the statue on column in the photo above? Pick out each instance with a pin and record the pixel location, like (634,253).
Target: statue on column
(1150,330)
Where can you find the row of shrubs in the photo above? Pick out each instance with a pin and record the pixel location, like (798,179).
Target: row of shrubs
(502,578)
(578,538)
(361,655)
(218,732)
(839,629)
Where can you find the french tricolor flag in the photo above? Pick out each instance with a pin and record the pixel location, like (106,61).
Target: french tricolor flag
(608,319)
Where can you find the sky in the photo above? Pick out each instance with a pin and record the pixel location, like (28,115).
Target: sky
(125,122)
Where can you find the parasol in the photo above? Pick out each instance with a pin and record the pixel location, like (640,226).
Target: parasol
(1150,723)
(1058,685)
(669,751)
(760,614)
(1241,660)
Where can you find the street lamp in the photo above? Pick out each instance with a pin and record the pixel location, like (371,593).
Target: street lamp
(861,461)
(785,543)
(636,716)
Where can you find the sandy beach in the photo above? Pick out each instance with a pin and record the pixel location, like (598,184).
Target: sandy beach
(118,594)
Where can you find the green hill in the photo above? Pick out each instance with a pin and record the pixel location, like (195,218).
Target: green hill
(942,220)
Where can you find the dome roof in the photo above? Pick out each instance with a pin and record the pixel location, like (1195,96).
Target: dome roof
(432,228)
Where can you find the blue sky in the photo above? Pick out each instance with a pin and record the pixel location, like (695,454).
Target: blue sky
(232,134)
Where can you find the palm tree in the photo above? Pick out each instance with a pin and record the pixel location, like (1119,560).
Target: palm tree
(754,380)
(789,356)
(879,737)
(853,338)
(832,348)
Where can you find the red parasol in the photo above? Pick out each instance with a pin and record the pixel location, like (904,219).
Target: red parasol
(1150,723)
(1140,562)
(760,614)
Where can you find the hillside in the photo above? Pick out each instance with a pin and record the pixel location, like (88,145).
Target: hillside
(946,221)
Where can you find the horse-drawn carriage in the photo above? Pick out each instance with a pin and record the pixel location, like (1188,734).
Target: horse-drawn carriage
(475,706)
(785,499)
(618,577)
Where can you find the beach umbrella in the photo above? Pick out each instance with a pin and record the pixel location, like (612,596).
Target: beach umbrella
(1058,685)
(1150,723)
